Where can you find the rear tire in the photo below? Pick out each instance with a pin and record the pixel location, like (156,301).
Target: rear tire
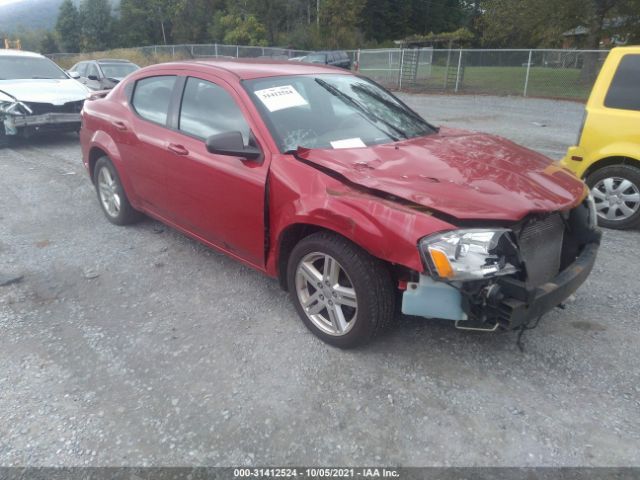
(348,295)
(616,192)
(111,195)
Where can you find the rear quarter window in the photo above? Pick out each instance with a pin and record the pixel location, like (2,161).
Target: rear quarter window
(624,91)
(152,96)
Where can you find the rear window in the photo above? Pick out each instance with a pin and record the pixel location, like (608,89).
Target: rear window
(152,97)
(624,92)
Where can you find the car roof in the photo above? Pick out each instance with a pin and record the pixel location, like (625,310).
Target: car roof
(19,53)
(247,69)
(113,60)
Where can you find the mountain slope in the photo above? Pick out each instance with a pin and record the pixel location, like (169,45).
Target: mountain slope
(28,15)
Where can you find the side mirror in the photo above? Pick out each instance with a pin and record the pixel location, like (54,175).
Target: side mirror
(231,143)
(92,77)
(73,74)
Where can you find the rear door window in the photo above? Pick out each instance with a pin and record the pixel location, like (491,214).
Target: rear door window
(152,96)
(624,91)
(208,109)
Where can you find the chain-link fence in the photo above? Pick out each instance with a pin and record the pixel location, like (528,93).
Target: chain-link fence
(566,74)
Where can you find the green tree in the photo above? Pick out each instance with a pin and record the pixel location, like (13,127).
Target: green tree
(531,23)
(339,21)
(386,19)
(236,29)
(68,27)
(49,43)
(191,20)
(143,22)
(96,21)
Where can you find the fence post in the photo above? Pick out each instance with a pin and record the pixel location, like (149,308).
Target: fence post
(192,51)
(216,49)
(526,80)
(173,51)
(458,72)
(237,51)
(400,70)
(358,60)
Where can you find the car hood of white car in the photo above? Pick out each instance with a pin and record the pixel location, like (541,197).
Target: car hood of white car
(56,92)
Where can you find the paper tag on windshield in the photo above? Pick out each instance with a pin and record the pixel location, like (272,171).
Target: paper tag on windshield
(279,98)
(348,143)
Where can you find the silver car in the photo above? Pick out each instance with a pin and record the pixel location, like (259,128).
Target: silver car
(36,95)
(102,74)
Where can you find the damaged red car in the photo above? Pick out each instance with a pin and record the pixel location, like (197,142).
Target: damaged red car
(357,205)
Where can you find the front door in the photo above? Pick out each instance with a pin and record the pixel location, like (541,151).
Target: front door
(220,198)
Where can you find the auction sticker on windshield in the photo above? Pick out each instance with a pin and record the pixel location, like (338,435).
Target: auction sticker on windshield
(348,143)
(279,98)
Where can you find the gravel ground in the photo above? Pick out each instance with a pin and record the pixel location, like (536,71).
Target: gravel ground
(138,346)
(548,126)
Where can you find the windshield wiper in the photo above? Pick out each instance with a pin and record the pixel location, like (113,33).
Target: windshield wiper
(45,78)
(392,105)
(354,103)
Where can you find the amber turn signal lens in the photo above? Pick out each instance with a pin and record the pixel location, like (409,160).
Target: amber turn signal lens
(441,262)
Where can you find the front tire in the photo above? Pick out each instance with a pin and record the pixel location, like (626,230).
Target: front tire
(616,192)
(111,195)
(342,294)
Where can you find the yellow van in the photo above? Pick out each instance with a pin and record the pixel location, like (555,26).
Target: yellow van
(607,155)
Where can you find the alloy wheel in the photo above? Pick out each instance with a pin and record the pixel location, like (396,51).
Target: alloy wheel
(326,293)
(108,191)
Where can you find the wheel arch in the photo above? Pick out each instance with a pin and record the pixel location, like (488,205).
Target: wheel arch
(288,239)
(102,145)
(609,161)
(95,153)
(296,232)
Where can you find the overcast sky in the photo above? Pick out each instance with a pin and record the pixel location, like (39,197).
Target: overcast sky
(4,2)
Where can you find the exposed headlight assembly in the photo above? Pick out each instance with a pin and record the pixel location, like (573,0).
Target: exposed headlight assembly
(471,254)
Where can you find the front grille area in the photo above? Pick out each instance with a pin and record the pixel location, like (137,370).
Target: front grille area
(41,108)
(541,248)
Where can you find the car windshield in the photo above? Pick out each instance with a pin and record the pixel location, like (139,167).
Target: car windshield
(20,68)
(118,70)
(332,111)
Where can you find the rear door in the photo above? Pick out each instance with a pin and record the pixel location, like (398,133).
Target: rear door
(220,198)
(142,139)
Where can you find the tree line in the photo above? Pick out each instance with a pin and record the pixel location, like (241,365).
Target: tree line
(94,25)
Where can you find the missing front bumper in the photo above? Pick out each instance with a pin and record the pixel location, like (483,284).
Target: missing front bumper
(516,304)
(511,303)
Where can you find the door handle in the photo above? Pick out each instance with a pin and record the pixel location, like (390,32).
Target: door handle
(120,125)
(178,149)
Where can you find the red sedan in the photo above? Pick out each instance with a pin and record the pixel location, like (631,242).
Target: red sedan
(328,182)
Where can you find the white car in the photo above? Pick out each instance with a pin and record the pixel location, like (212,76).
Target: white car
(36,95)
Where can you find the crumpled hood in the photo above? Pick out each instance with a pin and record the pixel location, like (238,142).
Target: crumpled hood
(57,92)
(462,174)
